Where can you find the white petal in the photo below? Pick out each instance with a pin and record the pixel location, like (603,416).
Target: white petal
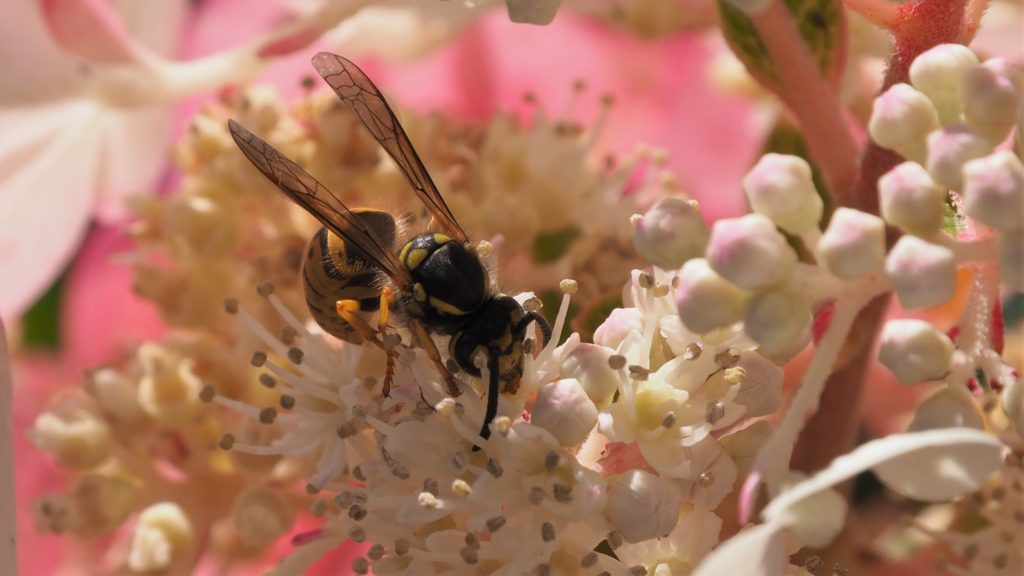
(135,153)
(757,551)
(44,209)
(35,69)
(931,465)
(156,25)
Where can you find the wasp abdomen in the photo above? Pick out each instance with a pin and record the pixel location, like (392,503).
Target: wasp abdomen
(334,271)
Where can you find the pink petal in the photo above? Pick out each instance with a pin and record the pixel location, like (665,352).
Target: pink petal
(90,29)
(35,68)
(103,318)
(159,26)
(136,152)
(44,207)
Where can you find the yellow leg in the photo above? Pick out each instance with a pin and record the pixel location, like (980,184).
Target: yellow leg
(427,343)
(348,310)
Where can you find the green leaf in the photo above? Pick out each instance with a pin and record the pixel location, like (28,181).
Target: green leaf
(550,246)
(949,220)
(41,323)
(819,22)
(1013,310)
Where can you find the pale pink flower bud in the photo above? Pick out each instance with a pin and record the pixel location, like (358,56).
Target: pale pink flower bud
(853,245)
(901,119)
(642,506)
(911,200)
(617,326)
(563,409)
(939,74)
(992,97)
(923,274)
(750,252)
(994,191)
(670,233)
(1011,259)
(780,187)
(915,351)
(949,149)
(780,322)
(950,407)
(588,363)
(707,301)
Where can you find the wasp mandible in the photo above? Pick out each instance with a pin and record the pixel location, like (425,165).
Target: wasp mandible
(436,283)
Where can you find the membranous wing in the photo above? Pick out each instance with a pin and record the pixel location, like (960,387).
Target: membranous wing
(323,204)
(363,97)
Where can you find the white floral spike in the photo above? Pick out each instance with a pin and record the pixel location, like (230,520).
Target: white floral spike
(939,73)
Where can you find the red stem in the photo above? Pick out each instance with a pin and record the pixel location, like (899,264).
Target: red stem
(809,97)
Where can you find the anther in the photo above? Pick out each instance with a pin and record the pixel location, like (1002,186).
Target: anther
(288,335)
(472,541)
(494,524)
(287,401)
(267,380)
(357,534)
(295,355)
(714,412)
(401,547)
(692,351)
(461,488)
(660,290)
(533,304)
(319,508)
(494,468)
(668,420)
(705,479)
(588,560)
(551,461)
(207,394)
(312,489)
(614,539)
(562,492)
(428,501)
(376,552)
(616,362)
(400,472)
(726,359)
(259,358)
(536,495)
(268,415)
(639,372)
(357,473)
(468,555)
(361,565)
(638,571)
(547,532)
(227,441)
(231,305)
(645,280)
(568,286)
(265,289)
(356,512)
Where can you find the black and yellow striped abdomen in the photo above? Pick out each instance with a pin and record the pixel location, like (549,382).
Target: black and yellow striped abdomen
(334,271)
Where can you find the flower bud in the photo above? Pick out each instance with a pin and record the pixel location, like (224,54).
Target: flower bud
(261,516)
(670,233)
(780,187)
(563,409)
(707,301)
(780,322)
(1011,259)
(642,506)
(617,326)
(163,538)
(939,74)
(169,389)
(911,200)
(77,437)
(116,395)
(817,519)
(949,149)
(923,274)
(901,119)
(588,363)
(914,351)
(950,407)
(749,252)
(853,245)
(992,97)
(994,191)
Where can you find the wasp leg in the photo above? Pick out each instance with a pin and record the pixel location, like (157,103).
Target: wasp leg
(492,395)
(348,309)
(427,343)
(534,316)
(383,314)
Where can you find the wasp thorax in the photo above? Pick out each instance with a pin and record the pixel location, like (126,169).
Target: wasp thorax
(449,281)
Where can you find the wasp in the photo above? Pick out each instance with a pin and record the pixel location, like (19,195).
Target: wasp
(434,283)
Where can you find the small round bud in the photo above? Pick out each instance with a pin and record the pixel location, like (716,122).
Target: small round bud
(163,538)
(914,351)
(563,409)
(939,74)
(992,98)
(642,505)
(911,200)
(923,274)
(950,407)
(780,187)
(901,119)
(949,149)
(994,191)
(749,252)
(780,322)
(1011,259)
(670,233)
(853,245)
(707,301)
